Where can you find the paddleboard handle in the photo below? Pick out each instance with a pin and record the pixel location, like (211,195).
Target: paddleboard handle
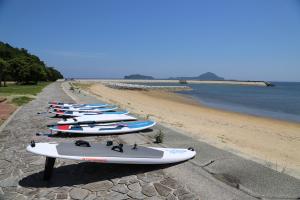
(109,143)
(191,149)
(32,143)
(82,143)
(118,148)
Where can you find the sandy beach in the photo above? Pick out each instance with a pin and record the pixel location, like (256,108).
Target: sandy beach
(272,142)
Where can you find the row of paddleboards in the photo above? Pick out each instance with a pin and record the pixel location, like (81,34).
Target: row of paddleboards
(91,119)
(94,119)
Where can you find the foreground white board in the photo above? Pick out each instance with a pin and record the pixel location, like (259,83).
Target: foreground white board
(106,154)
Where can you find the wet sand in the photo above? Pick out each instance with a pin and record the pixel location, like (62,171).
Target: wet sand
(272,142)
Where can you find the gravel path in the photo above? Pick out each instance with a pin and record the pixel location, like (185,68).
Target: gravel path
(21,172)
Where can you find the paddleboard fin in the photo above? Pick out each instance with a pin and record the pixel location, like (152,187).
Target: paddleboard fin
(48,168)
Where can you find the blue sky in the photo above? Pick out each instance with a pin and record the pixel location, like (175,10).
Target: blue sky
(248,39)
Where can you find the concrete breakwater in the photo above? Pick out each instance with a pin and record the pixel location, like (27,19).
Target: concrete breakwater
(130,86)
(227,82)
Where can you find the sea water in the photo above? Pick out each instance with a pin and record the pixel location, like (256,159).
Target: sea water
(280,102)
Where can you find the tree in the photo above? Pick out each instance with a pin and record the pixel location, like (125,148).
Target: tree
(24,68)
(18,69)
(4,69)
(53,74)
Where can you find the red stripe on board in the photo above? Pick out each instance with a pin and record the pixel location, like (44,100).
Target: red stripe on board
(92,159)
(63,127)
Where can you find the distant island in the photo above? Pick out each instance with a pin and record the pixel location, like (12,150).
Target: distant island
(208,76)
(138,77)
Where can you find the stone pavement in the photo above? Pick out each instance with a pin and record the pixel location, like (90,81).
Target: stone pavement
(21,172)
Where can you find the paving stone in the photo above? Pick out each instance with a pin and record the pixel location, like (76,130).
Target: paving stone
(155,198)
(97,186)
(115,181)
(4,164)
(181,191)
(128,179)
(42,193)
(170,182)
(171,197)
(188,196)
(141,176)
(91,197)
(149,177)
(10,195)
(50,195)
(61,196)
(27,192)
(162,190)
(121,188)
(9,182)
(136,195)
(135,187)
(149,190)
(102,193)
(20,197)
(78,193)
(116,196)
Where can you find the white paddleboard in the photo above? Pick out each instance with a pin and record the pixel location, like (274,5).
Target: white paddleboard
(61,104)
(79,114)
(97,119)
(112,153)
(85,109)
(103,129)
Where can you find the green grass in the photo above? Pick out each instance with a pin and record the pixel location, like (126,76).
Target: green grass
(19,101)
(13,89)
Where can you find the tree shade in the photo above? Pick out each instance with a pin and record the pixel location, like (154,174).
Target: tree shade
(16,64)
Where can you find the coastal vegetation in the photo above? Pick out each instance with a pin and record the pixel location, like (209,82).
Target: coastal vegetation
(159,137)
(19,66)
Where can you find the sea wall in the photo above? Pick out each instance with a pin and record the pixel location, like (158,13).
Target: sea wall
(229,82)
(130,86)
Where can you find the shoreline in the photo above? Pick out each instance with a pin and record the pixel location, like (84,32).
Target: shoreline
(258,138)
(252,112)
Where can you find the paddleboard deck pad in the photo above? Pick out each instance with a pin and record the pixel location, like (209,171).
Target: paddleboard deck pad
(102,129)
(108,153)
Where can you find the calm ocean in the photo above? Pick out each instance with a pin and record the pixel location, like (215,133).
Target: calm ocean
(280,102)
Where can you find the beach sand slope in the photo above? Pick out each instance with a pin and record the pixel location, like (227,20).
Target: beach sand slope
(269,141)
